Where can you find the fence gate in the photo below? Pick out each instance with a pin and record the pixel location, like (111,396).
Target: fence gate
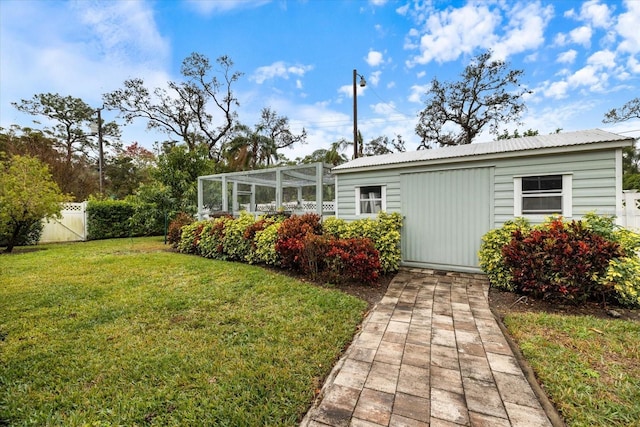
(72,227)
(630,217)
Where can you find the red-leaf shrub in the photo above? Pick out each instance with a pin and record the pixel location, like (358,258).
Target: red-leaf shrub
(175,228)
(560,260)
(291,235)
(352,259)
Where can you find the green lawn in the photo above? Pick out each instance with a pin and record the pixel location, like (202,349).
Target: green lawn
(123,332)
(589,367)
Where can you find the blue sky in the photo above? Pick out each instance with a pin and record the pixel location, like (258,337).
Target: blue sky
(580,58)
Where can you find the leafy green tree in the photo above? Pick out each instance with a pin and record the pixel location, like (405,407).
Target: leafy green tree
(382,145)
(78,178)
(178,169)
(72,118)
(254,148)
(489,93)
(630,155)
(183,110)
(516,134)
(127,169)
(27,195)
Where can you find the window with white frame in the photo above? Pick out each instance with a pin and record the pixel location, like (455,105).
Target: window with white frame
(371,199)
(543,195)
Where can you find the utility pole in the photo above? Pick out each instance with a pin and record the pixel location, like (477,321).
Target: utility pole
(101,151)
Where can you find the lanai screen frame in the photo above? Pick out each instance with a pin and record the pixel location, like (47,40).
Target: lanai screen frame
(283,177)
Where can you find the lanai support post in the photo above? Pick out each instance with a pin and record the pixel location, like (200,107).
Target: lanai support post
(278,189)
(234,197)
(319,184)
(225,196)
(200,199)
(253,207)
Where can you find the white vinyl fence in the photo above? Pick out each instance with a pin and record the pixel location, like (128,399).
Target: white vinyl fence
(630,216)
(72,227)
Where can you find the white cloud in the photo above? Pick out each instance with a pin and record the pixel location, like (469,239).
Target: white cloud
(374,78)
(278,69)
(581,35)
(603,58)
(524,30)
(374,58)
(452,32)
(627,27)
(567,57)
(596,14)
(383,108)
(506,29)
(634,65)
(209,7)
(556,90)
(378,2)
(347,90)
(417,92)
(124,31)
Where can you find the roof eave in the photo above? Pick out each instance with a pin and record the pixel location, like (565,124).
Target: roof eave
(493,156)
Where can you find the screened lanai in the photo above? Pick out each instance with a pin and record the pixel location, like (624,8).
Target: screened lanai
(293,189)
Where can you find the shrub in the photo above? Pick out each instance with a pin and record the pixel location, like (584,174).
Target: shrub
(107,219)
(265,242)
(235,246)
(213,237)
(351,259)
(175,228)
(29,235)
(560,260)
(624,275)
(291,235)
(190,238)
(491,258)
(251,234)
(383,231)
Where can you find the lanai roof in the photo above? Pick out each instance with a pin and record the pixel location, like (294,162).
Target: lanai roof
(593,138)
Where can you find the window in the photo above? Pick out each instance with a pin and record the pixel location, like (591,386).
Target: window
(543,195)
(371,199)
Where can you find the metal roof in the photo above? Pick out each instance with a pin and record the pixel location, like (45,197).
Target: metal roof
(493,149)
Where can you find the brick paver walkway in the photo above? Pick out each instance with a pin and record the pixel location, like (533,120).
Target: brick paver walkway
(430,354)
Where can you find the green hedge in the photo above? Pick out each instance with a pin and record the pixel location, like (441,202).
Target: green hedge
(622,275)
(256,241)
(108,219)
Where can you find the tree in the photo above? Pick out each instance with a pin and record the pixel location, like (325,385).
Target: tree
(630,155)
(250,149)
(129,168)
(516,134)
(382,145)
(78,178)
(488,94)
(182,109)
(27,195)
(630,110)
(178,169)
(72,118)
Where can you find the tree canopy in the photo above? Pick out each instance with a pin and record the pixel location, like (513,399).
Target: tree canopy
(198,110)
(488,93)
(630,110)
(27,195)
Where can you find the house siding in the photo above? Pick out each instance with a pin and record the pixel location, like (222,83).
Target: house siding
(593,183)
(593,188)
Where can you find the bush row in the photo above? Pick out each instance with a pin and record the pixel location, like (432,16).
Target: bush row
(591,259)
(334,250)
(108,219)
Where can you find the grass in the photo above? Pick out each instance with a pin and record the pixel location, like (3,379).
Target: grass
(589,367)
(122,332)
